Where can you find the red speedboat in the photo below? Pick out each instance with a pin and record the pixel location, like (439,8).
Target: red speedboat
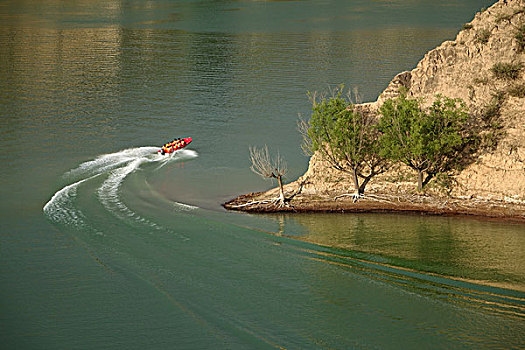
(174,145)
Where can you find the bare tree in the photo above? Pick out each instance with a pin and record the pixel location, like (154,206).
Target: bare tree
(269,168)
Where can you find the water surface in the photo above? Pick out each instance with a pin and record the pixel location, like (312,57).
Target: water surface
(105,244)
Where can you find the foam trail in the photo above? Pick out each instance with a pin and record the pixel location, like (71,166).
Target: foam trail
(60,209)
(118,165)
(108,192)
(185,154)
(185,207)
(111,161)
(108,195)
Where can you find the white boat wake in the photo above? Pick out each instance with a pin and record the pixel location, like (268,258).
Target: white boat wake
(59,209)
(116,166)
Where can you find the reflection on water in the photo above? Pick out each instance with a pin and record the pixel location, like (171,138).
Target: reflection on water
(461,292)
(488,252)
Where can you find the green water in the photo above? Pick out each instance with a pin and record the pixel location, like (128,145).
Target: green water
(106,245)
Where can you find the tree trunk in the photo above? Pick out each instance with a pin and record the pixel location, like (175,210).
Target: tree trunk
(364,183)
(427,179)
(281,190)
(419,180)
(355,179)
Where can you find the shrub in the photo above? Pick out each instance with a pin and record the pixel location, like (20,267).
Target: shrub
(517,91)
(491,112)
(344,137)
(490,127)
(490,140)
(482,36)
(467,26)
(509,71)
(444,183)
(431,142)
(482,81)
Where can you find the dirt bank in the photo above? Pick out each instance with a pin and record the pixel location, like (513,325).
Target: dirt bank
(261,202)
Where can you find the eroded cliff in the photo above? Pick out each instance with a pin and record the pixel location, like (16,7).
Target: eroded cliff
(465,68)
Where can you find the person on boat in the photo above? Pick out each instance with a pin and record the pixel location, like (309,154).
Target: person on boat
(172,146)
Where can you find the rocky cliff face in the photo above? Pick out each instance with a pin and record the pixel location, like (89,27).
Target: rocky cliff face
(464,68)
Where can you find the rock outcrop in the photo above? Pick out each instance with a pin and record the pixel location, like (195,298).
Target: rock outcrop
(464,68)
(494,184)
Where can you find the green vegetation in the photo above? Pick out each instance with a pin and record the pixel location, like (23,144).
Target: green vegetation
(431,142)
(482,36)
(482,81)
(344,137)
(517,91)
(491,112)
(467,26)
(490,127)
(444,183)
(435,141)
(490,140)
(520,38)
(508,71)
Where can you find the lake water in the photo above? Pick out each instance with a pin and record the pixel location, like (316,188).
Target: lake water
(105,244)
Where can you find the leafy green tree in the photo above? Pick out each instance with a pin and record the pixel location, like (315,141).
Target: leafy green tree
(434,141)
(345,137)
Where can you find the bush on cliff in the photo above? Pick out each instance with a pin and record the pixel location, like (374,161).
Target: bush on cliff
(482,36)
(431,142)
(509,71)
(517,90)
